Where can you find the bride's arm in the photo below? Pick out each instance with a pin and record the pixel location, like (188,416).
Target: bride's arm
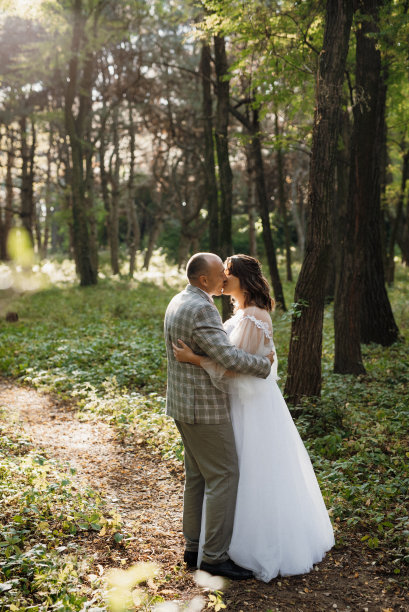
(184,354)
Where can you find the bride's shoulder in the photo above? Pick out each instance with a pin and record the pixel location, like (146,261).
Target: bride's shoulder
(258,313)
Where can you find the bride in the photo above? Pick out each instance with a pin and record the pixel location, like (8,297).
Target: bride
(281,524)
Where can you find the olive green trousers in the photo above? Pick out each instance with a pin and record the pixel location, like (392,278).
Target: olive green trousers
(211,468)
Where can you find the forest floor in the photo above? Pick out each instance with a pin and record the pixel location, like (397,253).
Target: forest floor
(148,492)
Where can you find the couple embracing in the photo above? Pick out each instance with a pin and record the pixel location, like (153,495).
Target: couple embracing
(252,504)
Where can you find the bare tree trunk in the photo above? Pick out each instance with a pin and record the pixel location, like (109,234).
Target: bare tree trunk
(47,198)
(67,204)
(350,228)
(298,214)
(114,202)
(134,234)
(304,361)
(79,94)
(256,165)
(103,169)
(153,237)
(397,221)
(377,323)
(7,213)
(402,237)
(281,199)
(251,202)
(264,211)
(342,233)
(209,161)
(185,242)
(222,146)
(27,177)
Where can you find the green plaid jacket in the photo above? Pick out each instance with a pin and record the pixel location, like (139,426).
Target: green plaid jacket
(191,396)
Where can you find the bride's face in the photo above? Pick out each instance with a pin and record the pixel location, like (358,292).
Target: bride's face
(232,286)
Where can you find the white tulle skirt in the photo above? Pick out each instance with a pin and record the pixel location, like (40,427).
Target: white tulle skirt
(281,524)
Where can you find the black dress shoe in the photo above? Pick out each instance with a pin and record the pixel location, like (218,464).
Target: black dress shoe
(190,558)
(228,569)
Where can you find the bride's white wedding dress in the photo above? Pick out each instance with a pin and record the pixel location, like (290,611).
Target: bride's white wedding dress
(281,524)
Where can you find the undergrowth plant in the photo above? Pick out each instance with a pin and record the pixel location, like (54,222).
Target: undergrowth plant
(44,515)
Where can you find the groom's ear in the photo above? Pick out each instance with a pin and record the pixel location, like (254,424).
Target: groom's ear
(203,280)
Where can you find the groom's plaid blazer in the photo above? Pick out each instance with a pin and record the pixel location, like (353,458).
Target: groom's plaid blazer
(191,397)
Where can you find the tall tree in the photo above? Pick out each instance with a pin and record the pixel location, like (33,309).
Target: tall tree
(27,174)
(377,322)
(251,121)
(304,361)
(77,107)
(348,233)
(223,159)
(263,202)
(209,160)
(134,232)
(6,211)
(281,196)
(397,220)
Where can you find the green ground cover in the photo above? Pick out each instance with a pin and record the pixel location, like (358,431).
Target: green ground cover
(102,347)
(44,515)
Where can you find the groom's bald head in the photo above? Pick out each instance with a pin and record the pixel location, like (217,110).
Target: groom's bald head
(199,265)
(206,271)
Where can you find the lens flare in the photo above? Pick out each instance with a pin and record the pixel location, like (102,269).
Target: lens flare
(22,8)
(19,247)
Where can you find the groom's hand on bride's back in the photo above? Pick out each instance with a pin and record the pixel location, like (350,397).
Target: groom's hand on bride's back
(270,357)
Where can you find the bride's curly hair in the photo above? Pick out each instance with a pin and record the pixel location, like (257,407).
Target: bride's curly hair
(254,285)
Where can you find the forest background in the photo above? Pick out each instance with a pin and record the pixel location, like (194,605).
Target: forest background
(135,133)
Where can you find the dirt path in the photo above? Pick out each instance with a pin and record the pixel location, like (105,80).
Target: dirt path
(147,493)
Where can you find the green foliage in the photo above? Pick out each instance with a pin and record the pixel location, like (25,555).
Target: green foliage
(43,512)
(273,49)
(140,416)
(69,337)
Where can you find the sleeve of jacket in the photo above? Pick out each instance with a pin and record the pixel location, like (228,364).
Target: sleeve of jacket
(209,334)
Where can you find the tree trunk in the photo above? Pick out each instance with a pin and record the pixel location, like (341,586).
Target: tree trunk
(6,214)
(340,218)
(209,161)
(264,211)
(402,237)
(256,168)
(222,146)
(103,169)
(304,361)
(281,199)
(114,203)
(67,203)
(350,228)
(298,214)
(397,220)
(377,323)
(75,129)
(251,202)
(153,237)
(27,177)
(134,234)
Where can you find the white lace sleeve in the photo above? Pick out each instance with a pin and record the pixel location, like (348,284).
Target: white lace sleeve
(253,333)
(216,373)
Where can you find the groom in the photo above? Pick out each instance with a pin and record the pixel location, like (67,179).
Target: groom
(201,413)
